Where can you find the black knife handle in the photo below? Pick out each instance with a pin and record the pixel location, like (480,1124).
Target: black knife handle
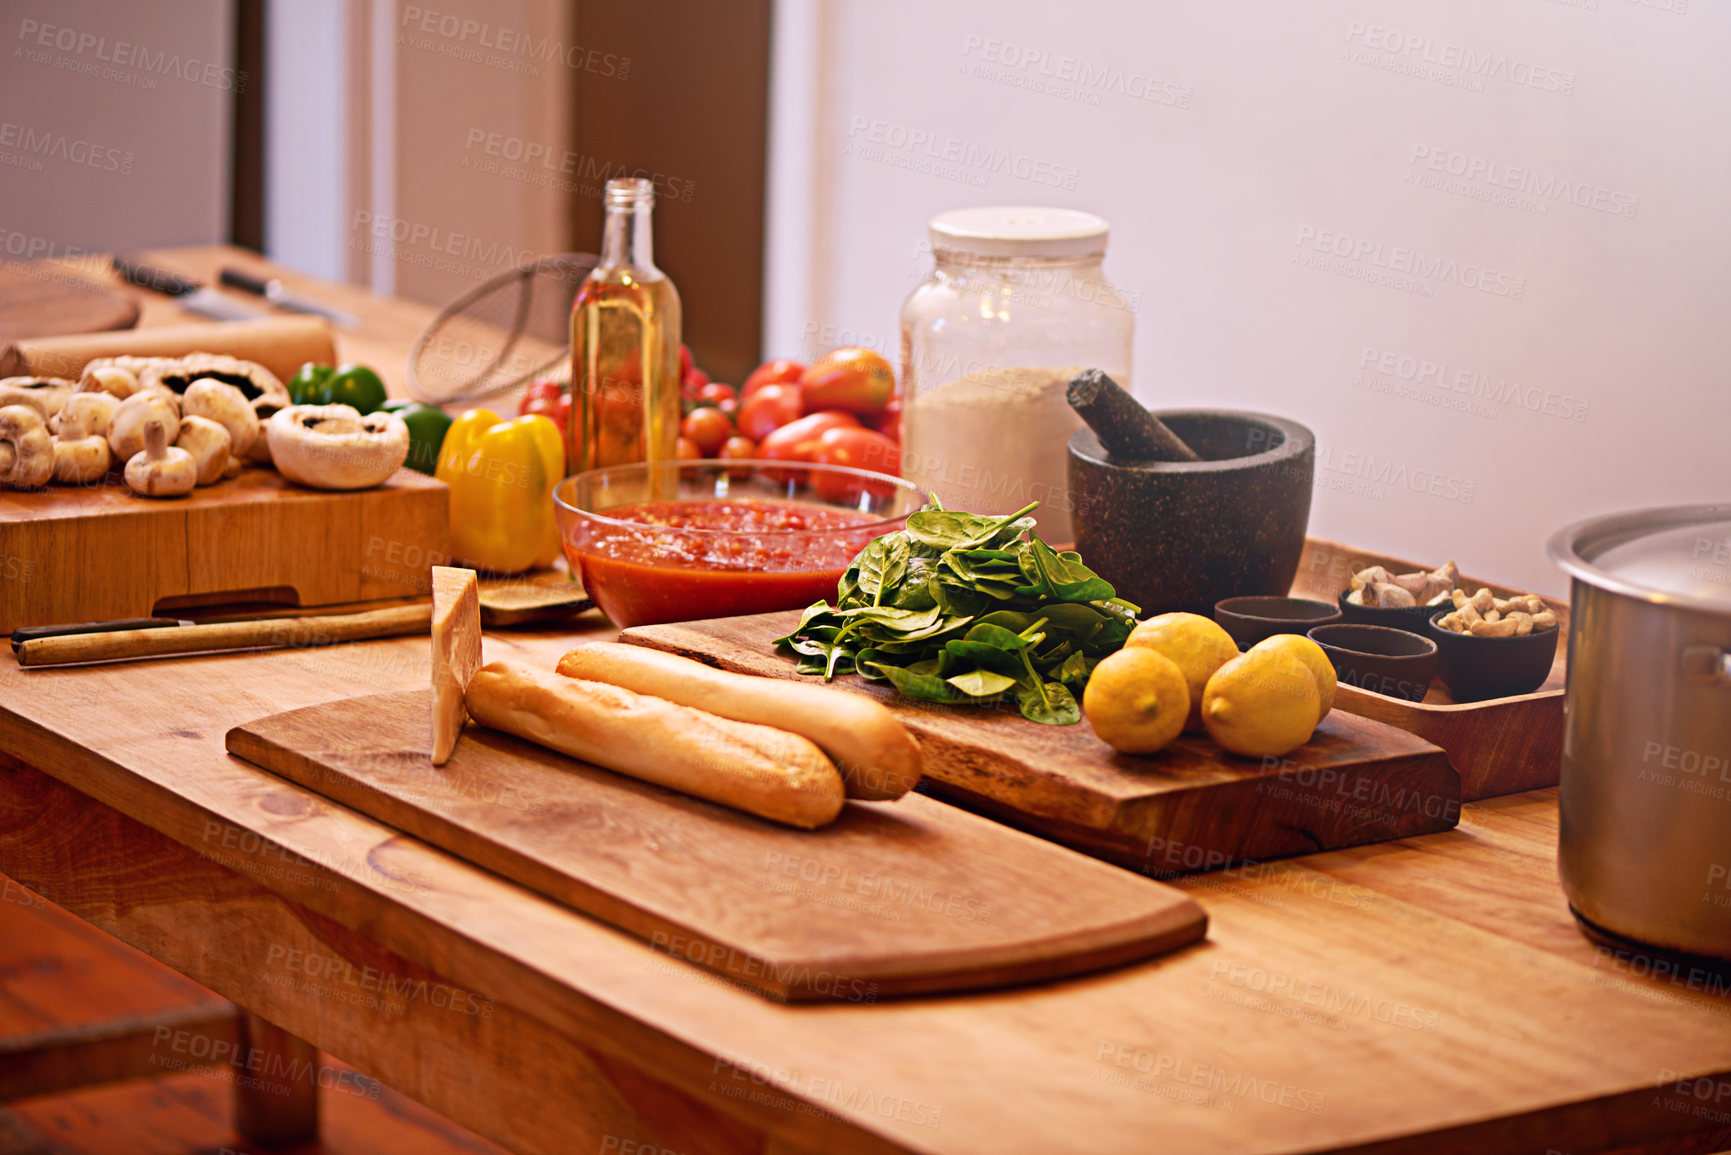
(31,633)
(244,281)
(160,280)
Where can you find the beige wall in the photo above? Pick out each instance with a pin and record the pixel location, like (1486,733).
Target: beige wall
(1481,364)
(114,124)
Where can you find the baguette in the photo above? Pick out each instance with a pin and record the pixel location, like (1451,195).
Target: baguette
(757,769)
(879,760)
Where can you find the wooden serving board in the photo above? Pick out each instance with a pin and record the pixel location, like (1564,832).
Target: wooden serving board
(96,553)
(1190,807)
(893,898)
(1499,746)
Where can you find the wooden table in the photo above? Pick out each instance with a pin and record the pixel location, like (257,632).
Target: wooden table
(1426,995)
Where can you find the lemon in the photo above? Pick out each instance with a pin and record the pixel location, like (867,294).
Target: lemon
(1314,658)
(1137,700)
(1197,646)
(1265,702)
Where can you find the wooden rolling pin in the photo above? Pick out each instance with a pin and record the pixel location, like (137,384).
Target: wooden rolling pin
(257,633)
(280,344)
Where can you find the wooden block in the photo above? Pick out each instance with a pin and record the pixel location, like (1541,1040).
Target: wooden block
(892,898)
(101,552)
(279,1105)
(1190,807)
(456,653)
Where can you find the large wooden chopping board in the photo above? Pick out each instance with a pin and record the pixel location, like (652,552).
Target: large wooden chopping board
(894,898)
(1190,807)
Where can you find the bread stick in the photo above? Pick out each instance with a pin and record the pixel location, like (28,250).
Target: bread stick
(876,755)
(757,769)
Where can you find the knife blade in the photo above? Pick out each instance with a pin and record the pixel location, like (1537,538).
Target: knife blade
(189,295)
(272,290)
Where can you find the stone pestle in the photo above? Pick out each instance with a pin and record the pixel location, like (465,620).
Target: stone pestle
(1128,432)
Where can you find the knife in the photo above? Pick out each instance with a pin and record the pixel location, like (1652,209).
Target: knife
(189,295)
(273,291)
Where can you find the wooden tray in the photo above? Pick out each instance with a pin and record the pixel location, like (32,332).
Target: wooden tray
(101,552)
(1499,746)
(1191,807)
(894,898)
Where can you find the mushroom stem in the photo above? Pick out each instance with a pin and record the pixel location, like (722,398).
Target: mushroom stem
(155,440)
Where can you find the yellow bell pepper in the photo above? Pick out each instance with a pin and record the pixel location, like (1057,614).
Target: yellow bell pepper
(502,475)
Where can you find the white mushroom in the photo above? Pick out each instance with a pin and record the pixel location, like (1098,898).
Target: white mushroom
(225,405)
(126,429)
(258,385)
(44,394)
(117,376)
(26,451)
(90,412)
(80,449)
(232,467)
(334,447)
(208,442)
(159,469)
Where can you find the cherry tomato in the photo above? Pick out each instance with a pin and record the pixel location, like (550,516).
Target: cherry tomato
(778,372)
(853,378)
(540,390)
(738,448)
(861,449)
(684,450)
(768,409)
(685,362)
(557,407)
(694,381)
(707,428)
(717,392)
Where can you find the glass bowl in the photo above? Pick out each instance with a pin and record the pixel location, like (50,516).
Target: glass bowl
(682,540)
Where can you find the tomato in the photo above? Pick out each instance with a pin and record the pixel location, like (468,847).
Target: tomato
(540,390)
(556,408)
(694,381)
(716,393)
(861,449)
(685,362)
(852,378)
(768,409)
(798,440)
(684,450)
(707,428)
(889,422)
(778,372)
(738,448)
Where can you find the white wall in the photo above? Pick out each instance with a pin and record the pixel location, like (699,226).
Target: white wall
(114,125)
(1235,144)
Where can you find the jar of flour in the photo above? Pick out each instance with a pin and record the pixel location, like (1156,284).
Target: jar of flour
(1017,303)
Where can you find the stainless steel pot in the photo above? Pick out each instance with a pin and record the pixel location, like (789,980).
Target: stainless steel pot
(1646,781)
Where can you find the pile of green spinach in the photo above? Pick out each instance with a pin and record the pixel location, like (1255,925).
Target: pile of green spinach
(968,608)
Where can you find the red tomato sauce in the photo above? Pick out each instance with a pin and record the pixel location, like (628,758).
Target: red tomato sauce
(770,555)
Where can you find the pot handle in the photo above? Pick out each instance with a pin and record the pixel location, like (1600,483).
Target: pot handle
(1708,664)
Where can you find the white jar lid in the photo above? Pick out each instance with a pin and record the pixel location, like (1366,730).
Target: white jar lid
(1019,231)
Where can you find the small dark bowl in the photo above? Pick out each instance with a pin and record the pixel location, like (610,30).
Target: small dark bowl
(1380,659)
(1475,668)
(1250,619)
(1409,618)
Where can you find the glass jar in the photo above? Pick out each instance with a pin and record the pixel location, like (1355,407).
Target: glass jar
(1017,303)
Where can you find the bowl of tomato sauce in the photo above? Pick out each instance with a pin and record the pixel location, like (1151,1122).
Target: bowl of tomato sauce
(681,540)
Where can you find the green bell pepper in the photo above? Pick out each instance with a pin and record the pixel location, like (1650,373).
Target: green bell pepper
(427,424)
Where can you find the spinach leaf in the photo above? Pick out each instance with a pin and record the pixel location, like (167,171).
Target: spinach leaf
(985,656)
(921,687)
(981,683)
(1051,704)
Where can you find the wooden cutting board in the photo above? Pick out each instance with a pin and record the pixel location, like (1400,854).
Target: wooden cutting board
(101,552)
(1190,807)
(893,898)
(47,298)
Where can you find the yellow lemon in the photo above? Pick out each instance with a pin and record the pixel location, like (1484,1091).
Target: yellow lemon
(1262,703)
(1136,700)
(1197,646)
(1314,658)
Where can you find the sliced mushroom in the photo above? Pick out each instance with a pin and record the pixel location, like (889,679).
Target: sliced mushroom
(44,394)
(159,469)
(256,383)
(80,448)
(117,376)
(126,430)
(26,451)
(225,405)
(334,447)
(90,412)
(208,442)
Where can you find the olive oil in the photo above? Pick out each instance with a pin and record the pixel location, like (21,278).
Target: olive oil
(624,344)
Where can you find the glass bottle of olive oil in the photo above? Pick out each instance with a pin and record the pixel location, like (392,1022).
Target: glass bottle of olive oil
(624,344)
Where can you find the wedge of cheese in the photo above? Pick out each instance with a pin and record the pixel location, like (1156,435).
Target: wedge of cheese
(456,653)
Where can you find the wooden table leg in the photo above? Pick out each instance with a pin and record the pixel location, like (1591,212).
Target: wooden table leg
(276,1085)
